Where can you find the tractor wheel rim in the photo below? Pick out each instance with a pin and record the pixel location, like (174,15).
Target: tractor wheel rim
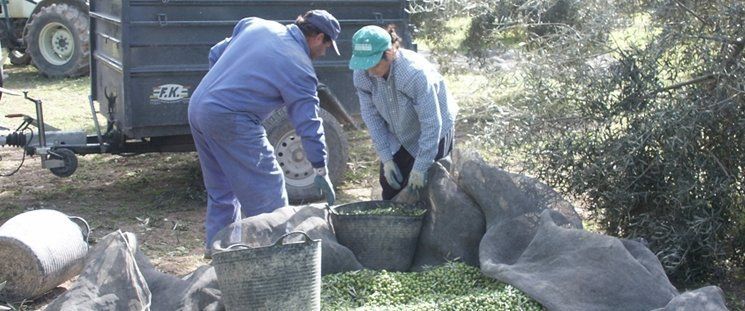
(56,44)
(291,157)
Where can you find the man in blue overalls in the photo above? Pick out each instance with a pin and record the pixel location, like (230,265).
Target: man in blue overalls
(262,67)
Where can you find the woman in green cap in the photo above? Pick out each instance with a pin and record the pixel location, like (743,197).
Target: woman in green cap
(406,106)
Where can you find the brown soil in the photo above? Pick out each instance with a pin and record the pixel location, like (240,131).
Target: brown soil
(159,197)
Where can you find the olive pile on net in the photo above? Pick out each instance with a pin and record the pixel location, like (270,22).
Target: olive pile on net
(453,286)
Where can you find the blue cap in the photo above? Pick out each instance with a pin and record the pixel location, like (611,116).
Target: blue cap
(326,23)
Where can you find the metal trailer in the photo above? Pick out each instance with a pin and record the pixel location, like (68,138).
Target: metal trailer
(147,56)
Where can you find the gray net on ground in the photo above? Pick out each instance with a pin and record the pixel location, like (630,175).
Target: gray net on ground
(453,225)
(265,229)
(111,279)
(517,229)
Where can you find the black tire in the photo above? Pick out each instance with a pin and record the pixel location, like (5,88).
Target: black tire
(19,58)
(298,171)
(57,40)
(70,159)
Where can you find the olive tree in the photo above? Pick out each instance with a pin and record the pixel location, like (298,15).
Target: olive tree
(650,137)
(646,133)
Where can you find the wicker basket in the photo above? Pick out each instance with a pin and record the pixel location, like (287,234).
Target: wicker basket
(39,250)
(277,277)
(380,242)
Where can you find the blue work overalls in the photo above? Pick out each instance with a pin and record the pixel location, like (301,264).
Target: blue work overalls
(262,67)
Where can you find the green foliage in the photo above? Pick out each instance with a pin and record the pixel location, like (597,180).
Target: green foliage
(454,286)
(649,137)
(539,23)
(539,17)
(431,16)
(634,108)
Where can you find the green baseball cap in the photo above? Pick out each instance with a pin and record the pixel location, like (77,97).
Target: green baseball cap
(368,45)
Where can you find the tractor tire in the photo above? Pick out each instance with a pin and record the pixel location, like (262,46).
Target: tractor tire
(58,42)
(298,171)
(19,58)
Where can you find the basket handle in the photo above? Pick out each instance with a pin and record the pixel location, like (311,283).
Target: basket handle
(87,232)
(330,210)
(282,238)
(232,246)
(278,242)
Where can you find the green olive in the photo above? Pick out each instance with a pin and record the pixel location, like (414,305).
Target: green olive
(453,286)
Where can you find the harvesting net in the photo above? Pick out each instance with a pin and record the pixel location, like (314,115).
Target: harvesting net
(516,229)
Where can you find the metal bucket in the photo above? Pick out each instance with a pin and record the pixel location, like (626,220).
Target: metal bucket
(380,242)
(283,276)
(40,250)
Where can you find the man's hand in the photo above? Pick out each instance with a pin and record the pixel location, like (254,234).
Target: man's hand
(392,174)
(323,182)
(417,180)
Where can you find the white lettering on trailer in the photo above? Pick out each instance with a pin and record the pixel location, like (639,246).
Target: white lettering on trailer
(169,93)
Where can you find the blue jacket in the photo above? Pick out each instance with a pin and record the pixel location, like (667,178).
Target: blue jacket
(262,67)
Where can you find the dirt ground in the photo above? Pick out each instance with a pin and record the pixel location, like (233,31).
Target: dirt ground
(159,197)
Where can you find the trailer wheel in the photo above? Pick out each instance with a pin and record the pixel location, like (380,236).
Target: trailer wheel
(57,40)
(70,160)
(19,58)
(298,171)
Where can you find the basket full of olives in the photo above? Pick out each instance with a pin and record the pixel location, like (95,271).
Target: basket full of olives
(382,234)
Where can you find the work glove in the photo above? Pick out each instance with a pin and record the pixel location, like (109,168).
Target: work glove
(323,182)
(417,180)
(392,174)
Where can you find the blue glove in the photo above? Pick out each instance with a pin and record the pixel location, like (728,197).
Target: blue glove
(417,180)
(392,174)
(323,182)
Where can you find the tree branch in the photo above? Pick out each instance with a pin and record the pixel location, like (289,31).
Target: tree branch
(722,39)
(689,82)
(707,23)
(724,169)
(733,59)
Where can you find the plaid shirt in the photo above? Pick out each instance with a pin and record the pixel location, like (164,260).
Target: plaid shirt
(411,109)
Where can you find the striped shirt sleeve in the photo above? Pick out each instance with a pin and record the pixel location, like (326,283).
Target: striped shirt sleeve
(375,123)
(422,87)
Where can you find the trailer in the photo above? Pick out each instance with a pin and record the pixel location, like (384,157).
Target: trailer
(148,56)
